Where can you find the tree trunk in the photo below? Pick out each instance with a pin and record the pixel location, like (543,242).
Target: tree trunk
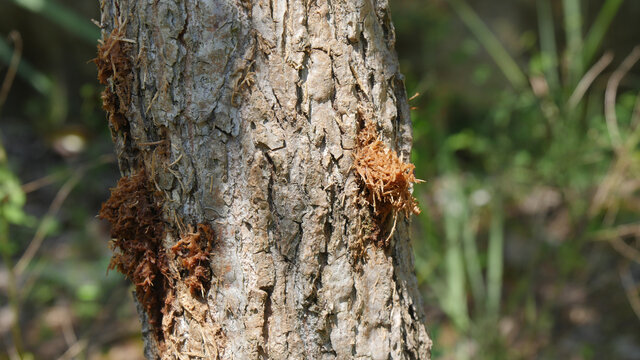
(240,218)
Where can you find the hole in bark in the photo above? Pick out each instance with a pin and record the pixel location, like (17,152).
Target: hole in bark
(365,45)
(411,313)
(267,314)
(323,143)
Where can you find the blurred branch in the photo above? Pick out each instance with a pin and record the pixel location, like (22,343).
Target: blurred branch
(620,231)
(615,238)
(630,289)
(588,78)
(57,202)
(35,78)
(610,96)
(13,66)
(74,349)
(65,18)
(505,62)
(625,249)
(41,231)
(34,185)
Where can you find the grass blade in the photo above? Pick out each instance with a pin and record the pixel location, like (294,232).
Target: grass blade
(573,31)
(472,259)
(455,301)
(13,66)
(495,261)
(599,28)
(548,42)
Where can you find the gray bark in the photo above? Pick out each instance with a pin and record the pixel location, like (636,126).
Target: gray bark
(258,101)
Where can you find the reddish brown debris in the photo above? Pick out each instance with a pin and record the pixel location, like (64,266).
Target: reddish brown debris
(114,71)
(194,249)
(137,231)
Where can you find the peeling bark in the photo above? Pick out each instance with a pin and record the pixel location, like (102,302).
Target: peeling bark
(244,116)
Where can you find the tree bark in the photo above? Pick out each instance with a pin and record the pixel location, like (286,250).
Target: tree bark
(242,118)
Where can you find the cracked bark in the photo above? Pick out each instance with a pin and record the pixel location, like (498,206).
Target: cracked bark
(258,101)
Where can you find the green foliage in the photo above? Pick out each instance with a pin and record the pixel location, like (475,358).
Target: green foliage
(12,198)
(518,165)
(55,261)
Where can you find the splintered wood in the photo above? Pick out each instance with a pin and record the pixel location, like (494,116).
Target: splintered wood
(386,177)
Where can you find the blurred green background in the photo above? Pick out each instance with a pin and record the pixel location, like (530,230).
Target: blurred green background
(526,130)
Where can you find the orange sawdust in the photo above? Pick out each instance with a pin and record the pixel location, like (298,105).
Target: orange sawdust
(387,179)
(137,230)
(194,249)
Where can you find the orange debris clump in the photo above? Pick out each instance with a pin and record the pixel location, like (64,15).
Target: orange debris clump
(385,176)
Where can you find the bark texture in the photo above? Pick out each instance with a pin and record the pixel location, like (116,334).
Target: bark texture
(244,116)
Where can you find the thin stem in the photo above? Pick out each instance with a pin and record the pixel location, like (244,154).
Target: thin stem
(37,184)
(548,41)
(505,62)
(13,66)
(611,93)
(12,288)
(630,289)
(455,300)
(472,260)
(573,31)
(625,249)
(35,78)
(57,202)
(41,231)
(589,78)
(599,28)
(495,261)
